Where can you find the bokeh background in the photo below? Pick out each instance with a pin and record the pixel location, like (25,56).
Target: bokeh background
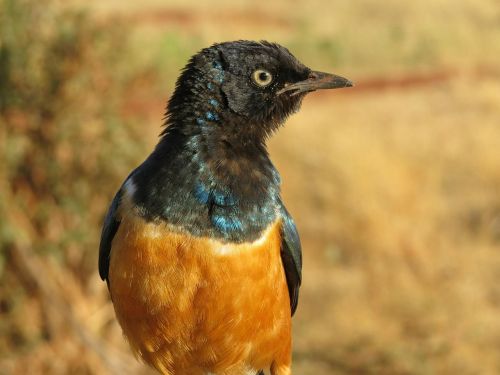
(394,184)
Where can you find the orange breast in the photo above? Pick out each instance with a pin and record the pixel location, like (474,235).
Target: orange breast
(191,305)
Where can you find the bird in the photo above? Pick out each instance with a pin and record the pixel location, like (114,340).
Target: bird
(201,258)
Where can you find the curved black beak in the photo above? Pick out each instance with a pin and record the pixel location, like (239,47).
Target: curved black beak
(317,81)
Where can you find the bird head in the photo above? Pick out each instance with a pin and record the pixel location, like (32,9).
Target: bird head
(244,89)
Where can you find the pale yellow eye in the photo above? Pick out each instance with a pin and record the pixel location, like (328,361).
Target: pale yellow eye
(262,77)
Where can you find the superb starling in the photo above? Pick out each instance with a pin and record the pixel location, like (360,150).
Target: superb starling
(201,257)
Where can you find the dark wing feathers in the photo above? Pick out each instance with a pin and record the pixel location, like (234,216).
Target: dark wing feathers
(291,256)
(109,228)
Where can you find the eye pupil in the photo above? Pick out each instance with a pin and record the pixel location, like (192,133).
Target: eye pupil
(263,76)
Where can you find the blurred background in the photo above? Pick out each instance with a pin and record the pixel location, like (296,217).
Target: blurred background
(394,184)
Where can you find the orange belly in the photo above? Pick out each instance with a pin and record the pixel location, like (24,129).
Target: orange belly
(191,305)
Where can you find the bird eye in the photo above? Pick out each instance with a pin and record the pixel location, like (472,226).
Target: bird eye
(262,77)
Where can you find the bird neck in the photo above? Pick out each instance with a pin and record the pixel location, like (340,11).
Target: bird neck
(215,159)
(209,186)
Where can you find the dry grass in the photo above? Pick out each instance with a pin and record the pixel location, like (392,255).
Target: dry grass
(400,215)
(394,187)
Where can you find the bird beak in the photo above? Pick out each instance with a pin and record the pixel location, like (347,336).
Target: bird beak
(316,81)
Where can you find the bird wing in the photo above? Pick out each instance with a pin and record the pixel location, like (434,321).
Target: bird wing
(109,228)
(291,256)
